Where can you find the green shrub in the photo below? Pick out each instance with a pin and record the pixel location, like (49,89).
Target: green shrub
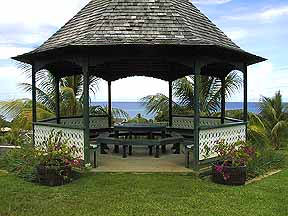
(54,152)
(269,159)
(15,137)
(138,119)
(21,162)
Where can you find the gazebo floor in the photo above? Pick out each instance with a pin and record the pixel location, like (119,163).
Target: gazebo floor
(141,162)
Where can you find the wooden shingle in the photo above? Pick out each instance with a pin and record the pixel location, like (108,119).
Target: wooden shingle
(112,22)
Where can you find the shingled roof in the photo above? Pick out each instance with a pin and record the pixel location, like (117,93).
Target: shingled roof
(104,23)
(112,22)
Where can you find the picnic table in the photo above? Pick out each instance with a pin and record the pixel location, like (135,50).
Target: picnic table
(147,133)
(138,129)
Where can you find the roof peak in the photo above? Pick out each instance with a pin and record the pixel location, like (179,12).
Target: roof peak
(147,22)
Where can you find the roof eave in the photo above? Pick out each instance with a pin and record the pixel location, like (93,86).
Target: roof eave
(250,58)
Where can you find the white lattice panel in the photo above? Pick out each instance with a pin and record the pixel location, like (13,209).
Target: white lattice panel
(75,137)
(95,122)
(208,138)
(188,122)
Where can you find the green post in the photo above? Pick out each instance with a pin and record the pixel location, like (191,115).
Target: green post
(34,103)
(170,104)
(245,96)
(196,70)
(109,104)
(86,77)
(223,101)
(57,99)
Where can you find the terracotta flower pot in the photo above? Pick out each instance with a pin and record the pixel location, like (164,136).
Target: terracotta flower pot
(54,175)
(228,175)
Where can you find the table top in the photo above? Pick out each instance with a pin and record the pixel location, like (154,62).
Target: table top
(148,126)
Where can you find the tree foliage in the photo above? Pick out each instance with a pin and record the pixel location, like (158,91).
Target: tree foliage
(183,95)
(274,118)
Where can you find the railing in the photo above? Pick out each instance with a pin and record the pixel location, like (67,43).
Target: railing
(212,131)
(96,122)
(71,127)
(187,122)
(210,136)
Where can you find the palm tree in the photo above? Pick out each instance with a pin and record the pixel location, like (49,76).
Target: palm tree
(183,92)
(71,97)
(22,109)
(71,92)
(274,118)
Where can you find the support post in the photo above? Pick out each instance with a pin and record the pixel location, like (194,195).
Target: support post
(86,77)
(223,100)
(245,75)
(34,99)
(57,99)
(109,105)
(196,70)
(170,103)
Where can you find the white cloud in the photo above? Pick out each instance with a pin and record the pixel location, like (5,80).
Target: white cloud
(210,1)
(132,89)
(8,52)
(266,15)
(264,80)
(35,12)
(29,23)
(274,12)
(10,77)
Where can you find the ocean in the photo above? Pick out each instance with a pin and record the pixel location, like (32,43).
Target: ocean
(133,108)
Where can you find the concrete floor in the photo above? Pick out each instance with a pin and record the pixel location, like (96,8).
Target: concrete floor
(140,161)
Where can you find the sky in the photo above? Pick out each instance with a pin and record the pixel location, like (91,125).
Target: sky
(259,27)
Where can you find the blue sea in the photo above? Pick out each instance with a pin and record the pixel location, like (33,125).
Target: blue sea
(133,108)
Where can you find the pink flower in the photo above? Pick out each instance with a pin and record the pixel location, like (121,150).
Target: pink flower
(219,168)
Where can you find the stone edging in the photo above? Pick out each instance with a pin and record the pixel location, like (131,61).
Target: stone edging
(259,178)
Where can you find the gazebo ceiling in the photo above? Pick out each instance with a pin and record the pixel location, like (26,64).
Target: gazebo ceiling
(105,26)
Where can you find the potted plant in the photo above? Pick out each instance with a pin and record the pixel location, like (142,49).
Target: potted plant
(56,159)
(230,169)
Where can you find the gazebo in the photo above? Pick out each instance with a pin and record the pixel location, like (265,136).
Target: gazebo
(164,39)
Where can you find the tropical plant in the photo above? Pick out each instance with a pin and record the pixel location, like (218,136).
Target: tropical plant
(20,109)
(269,160)
(183,93)
(71,91)
(71,97)
(103,110)
(235,155)
(138,119)
(274,116)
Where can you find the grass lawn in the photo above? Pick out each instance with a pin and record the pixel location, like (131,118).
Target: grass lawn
(144,194)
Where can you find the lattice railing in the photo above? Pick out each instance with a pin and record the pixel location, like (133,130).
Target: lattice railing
(208,138)
(75,137)
(96,122)
(188,122)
